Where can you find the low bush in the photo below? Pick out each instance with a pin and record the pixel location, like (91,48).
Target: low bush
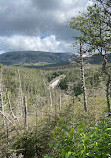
(94,142)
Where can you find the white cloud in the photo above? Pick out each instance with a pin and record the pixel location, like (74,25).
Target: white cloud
(48,43)
(2,51)
(89,3)
(23,22)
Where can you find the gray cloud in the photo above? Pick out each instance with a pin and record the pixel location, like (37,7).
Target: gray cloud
(31,18)
(47,4)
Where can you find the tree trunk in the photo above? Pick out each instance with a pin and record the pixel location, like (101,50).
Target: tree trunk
(50,98)
(25,124)
(20,97)
(60,101)
(83,78)
(25,114)
(1,97)
(108,82)
(5,122)
(7,138)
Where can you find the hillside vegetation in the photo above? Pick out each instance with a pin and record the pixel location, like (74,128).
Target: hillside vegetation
(40,59)
(38,121)
(27,57)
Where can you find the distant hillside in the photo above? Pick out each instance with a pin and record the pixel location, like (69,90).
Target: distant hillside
(34,57)
(97,59)
(22,57)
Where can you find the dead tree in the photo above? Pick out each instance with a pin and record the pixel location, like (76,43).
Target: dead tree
(60,100)
(10,107)
(25,114)
(19,100)
(5,118)
(1,97)
(104,68)
(83,78)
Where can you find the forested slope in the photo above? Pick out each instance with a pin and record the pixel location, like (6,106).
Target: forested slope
(34,115)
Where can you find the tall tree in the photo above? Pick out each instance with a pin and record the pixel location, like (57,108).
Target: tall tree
(96,33)
(83,77)
(106,10)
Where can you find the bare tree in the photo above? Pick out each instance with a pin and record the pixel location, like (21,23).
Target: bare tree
(1,96)
(83,78)
(104,68)
(25,113)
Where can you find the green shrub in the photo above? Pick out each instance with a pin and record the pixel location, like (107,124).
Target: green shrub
(63,84)
(94,142)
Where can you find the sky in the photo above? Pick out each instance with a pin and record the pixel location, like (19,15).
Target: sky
(39,25)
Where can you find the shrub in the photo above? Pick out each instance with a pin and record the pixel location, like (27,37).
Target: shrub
(94,142)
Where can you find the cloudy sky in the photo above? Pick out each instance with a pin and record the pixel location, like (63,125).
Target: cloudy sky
(38,24)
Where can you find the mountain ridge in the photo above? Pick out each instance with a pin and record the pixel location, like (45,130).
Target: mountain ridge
(33,57)
(22,57)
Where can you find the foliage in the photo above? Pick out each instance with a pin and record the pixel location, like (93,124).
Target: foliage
(78,89)
(94,32)
(54,75)
(25,145)
(94,142)
(63,84)
(95,35)
(42,118)
(105,5)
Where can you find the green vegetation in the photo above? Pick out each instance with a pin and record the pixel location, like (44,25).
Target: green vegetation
(79,142)
(46,125)
(32,57)
(37,64)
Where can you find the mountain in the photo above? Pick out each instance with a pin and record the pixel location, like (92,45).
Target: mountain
(33,57)
(22,57)
(97,59)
